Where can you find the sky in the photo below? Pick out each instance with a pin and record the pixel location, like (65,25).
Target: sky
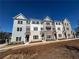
(56,9)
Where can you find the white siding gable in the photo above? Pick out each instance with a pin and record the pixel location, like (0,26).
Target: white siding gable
(20,16)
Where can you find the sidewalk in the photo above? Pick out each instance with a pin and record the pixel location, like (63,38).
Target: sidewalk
(33,44)
(2,45)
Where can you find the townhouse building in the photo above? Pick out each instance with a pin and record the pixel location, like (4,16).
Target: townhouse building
(29,29)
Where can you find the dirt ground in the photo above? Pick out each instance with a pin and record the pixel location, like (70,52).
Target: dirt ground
(57,50)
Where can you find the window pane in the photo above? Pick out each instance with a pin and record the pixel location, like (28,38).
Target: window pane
(67,28)
(48,28)
(21,22)
(56,23)
(58,28)
(16,38)
(42,35)
(48,36)
(17,28)
(35,28)
(60,35)
(68,34)
(18,22)
(19,38)
(20,29)
(59,23)
(48,23)
(28,28)
(41,28)
(28,22)
(35,37)
(33,22)
(37,22)
(53,28)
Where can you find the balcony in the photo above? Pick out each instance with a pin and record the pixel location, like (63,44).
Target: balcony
(28,30)
(27,33)
(48,32)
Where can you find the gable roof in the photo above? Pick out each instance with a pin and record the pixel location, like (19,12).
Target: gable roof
(66,20)
(47,18)
(20,17)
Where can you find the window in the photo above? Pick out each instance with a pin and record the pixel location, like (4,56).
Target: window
(67,28)
(48,28)
(27,22)
(52,23)
(28,28)
(41,28)
(53,28)
(17,28)
(48,23)
(18,38)
(35,28)
(37,22)
(20,22)
(48,36)
(41,22)
(35,37)
(72,32)
(60,35)
(42,35)
(58,28)
(59,23)
(68,34)
(33,22)
(20,29)
(56,23)
(67,24)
